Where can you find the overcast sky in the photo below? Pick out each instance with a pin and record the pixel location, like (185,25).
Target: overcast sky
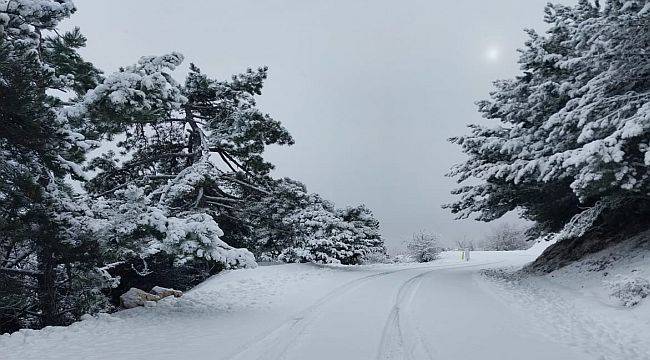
(370,90)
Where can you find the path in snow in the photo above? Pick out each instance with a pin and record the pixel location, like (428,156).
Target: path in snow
(442,310)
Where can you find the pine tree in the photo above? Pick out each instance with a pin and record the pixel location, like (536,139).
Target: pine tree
(317,233)
(194,151)
(269,233)
(47,258)
(321,233)
(168,179)
(574,129)
(180,179)
(293,225)
(365,239)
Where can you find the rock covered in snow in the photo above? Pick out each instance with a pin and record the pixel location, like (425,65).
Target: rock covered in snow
(165,292)
(136,297)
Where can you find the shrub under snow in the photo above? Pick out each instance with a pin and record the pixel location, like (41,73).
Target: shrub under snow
(424,247)
(629,291)
(506,238)
(375,257)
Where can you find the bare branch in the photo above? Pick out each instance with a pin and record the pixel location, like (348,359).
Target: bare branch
(243,183)
(221,205)
(225,160)
(198,197)
(221,198)
(21,272)
(11,264)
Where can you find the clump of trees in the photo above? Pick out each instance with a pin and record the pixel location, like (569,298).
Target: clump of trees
(181,191)
(424,247)
(304,227)
(572,144)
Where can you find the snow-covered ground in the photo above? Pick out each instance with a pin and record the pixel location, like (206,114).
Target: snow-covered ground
(574,305)
(448,309)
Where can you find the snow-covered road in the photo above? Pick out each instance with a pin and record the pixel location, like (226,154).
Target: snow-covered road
(442,310)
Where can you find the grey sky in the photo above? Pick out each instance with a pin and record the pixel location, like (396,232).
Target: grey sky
(370,90)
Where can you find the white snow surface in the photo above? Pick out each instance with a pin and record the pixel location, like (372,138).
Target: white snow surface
(447,309)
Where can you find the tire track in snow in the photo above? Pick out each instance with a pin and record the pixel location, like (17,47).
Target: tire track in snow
(275,344)
(398,339)
(401,338)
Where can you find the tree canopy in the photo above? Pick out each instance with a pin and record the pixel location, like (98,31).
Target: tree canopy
(573,127)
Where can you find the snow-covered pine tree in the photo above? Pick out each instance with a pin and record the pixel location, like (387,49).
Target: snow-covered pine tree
(188,155)
(319,232)
(184,159)
(574,127)
(365,239)
(48,262)
(290,224)
(265,217)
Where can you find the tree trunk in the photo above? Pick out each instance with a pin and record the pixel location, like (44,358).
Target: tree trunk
(47,288)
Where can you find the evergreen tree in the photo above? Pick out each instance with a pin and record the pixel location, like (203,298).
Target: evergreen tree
(48,272)
(293,225)
(365,238)
(265,218)
(164,176)
(321,233)
(195,152)
(318,233)
(180,179)
(574,129)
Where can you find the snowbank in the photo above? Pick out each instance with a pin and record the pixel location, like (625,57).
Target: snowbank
(600,303)
(213,319)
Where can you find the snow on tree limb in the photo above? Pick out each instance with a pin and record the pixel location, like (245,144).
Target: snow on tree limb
(574,125)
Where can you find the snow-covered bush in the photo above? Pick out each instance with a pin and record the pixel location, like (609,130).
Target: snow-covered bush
(375,257)
(466,244)
(424,247)
(401,257)
(629,291)
(506,237)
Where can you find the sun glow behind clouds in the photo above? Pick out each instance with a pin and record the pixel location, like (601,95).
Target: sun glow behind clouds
(492,53)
